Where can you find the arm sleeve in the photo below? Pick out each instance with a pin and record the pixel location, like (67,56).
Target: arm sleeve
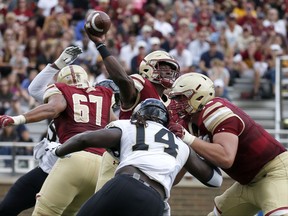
(39,84)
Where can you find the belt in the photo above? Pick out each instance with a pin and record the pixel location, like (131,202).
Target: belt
(143,178)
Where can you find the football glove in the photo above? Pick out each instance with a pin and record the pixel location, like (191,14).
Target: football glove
(53,146)
(6,120)
(68,56)
(182,133)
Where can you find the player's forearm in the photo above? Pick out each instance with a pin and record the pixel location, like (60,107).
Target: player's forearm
(40,113)
(74,144)
(101,138)
(213,152)
(118,74)
(203,170)
(37,87)
(216,178)
(80,142)
(116,71)
(179,176)
(114,68)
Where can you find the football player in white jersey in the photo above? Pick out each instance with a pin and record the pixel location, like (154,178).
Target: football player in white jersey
(150,158)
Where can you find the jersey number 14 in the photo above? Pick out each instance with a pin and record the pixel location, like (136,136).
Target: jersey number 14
(169,144)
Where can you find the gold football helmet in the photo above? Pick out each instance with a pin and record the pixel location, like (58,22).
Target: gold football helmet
(150,68)
(192,91)
(73,75)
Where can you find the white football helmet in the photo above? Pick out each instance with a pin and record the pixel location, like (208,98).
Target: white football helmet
(73,75)
(192,91)
(149,68)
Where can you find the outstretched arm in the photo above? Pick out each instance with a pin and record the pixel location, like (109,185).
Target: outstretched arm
(221,152)
(50,110)
(103,138)
(206,173)
(179,176)
(117,73)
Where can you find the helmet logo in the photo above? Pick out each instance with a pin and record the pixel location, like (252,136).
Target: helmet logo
(73,74)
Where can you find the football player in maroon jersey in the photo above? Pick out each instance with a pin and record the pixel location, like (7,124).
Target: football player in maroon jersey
(157,72)
(22,193)
(76,107)
(234,142)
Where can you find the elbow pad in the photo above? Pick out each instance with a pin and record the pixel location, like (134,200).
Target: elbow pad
(216,179)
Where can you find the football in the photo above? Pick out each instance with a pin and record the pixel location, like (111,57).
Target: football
(97,23)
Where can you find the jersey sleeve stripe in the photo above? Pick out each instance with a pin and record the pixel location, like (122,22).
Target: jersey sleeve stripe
(51,90)
(138,81)
(215,118)
(212,108)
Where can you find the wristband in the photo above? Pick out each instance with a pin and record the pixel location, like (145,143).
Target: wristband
(98,45)
(216,179)
(60,63)
(101,47)
(20,119)
(188,138)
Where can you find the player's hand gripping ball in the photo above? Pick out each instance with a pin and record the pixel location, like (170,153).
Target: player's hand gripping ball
(97,23)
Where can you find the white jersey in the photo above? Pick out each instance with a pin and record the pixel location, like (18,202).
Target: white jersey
(155,150)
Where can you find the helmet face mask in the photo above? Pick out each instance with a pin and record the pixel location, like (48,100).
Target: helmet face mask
(159,67)
(182,105)
(150,109)
(191,91)
(73,75)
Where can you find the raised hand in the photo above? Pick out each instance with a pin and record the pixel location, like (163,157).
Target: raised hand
(6,121)
(96,39)
(68,56)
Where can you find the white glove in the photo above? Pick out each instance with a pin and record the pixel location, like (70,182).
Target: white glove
(68,56)
(52,147)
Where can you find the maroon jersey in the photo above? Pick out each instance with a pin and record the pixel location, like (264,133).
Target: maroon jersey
(86,110)
(145,89)
(256,146)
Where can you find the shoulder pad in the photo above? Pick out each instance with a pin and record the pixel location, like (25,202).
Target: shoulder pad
(214,114)
(139,81)
(50,90)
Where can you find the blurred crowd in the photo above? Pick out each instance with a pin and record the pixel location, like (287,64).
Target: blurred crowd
(224,39)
